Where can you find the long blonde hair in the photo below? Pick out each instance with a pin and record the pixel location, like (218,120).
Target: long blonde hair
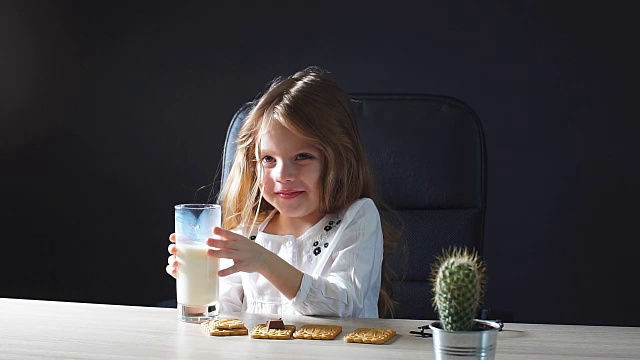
(315,108)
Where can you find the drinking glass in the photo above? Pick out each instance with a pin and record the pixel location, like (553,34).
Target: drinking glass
(197,275)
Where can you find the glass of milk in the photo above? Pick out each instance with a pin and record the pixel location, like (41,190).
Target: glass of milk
(197,276)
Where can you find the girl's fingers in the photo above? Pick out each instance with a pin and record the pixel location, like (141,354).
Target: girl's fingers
(221,244)
(171,271)
(227,239)
(225,234)
(172,268)
(225,254)
(228,271)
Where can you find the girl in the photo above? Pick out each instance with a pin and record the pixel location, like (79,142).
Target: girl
(307,236)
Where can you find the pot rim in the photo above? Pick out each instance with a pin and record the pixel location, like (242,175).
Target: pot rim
(496,325)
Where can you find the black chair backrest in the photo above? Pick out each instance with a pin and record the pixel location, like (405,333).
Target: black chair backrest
(428,157)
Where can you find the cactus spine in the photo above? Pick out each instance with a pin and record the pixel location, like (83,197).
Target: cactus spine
(458,286)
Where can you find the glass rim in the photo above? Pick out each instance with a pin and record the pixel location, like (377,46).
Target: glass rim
(196,206)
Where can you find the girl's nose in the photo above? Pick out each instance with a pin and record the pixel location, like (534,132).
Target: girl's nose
(286,172)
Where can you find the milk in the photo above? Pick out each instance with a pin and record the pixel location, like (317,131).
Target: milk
(197,277)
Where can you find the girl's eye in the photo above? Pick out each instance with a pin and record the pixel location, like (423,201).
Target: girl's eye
(304,156)
(268,159)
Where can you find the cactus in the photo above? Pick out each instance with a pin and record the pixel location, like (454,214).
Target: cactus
(458,279)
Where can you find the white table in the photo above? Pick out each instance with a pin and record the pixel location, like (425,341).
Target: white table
(61,330)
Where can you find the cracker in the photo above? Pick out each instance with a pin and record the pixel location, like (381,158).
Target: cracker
(261,331)
(318,332)
(210,328)
(228,324)
(370,335)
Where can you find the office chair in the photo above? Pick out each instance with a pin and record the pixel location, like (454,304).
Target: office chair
(428,157)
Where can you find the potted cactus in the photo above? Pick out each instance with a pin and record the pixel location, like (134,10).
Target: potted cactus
(458,279)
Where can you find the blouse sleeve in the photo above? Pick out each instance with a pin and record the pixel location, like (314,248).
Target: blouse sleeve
(350,280)
(231,293)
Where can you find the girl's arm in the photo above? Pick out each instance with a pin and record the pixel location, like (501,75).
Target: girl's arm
(249,257)
(348,284)
(282,275)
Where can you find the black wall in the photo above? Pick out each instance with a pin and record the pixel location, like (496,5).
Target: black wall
(110,115)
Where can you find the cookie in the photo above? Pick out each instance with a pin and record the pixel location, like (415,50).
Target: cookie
(210,328)
(262,332)
(318,332)
(370,335)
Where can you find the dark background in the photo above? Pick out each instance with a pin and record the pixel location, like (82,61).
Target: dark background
(111,114)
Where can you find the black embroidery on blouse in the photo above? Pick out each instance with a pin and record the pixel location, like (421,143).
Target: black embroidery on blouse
(317,247)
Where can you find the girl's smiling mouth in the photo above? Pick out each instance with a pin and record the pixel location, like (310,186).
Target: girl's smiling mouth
(288,194)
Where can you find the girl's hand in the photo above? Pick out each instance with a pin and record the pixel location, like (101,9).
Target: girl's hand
(172,268)
(247,256)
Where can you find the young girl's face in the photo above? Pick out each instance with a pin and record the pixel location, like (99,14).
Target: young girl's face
(292,174)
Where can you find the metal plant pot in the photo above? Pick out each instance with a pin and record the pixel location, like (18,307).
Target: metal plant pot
(479,343)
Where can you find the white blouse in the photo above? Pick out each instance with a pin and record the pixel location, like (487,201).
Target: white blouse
(341,260)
